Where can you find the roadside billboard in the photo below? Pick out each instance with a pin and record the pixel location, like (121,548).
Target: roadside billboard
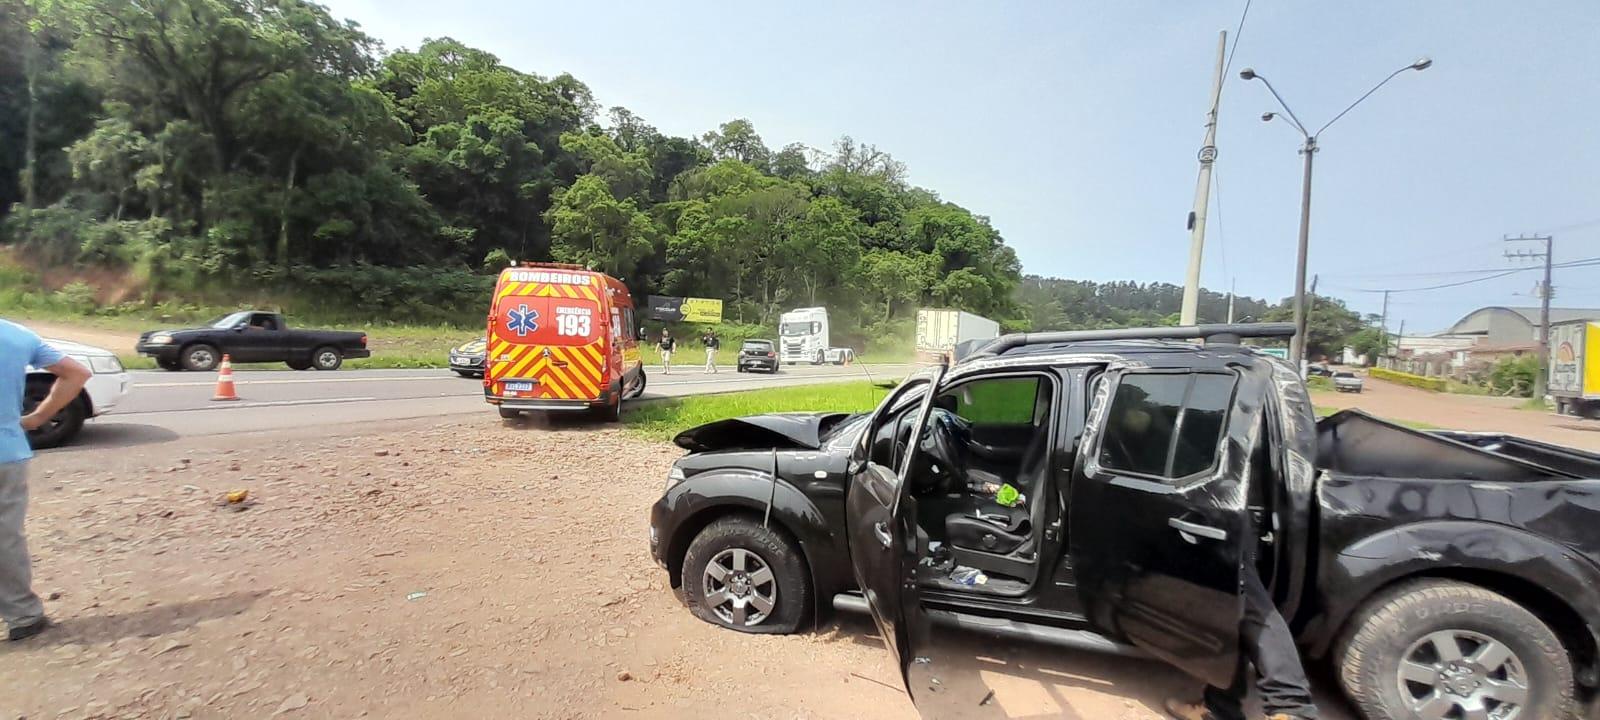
(666,308)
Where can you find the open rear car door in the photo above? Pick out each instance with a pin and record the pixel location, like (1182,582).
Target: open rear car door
(1160,532)
(882,520)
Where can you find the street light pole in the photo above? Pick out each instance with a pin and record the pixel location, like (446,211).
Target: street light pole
(1297,344)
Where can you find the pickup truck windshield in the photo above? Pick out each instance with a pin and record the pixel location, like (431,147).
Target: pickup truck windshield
(229,321)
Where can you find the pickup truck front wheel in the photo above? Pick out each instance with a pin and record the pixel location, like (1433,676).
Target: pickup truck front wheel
(59,429)
(1446,649)
(746,577)
(200,357)
(326,358)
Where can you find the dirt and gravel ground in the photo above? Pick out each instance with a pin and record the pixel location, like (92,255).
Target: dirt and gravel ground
(432,569)
(1466,412)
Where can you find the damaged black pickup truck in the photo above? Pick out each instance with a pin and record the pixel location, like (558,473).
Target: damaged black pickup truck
(1106,490)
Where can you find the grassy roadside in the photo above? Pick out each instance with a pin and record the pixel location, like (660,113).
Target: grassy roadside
(662,419)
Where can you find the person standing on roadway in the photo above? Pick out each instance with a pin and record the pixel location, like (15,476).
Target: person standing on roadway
(712,346)
(666,345)
(19,349)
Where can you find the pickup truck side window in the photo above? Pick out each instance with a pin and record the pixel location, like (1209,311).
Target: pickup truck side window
(1166,425)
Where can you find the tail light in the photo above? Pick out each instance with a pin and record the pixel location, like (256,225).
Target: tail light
(772,354)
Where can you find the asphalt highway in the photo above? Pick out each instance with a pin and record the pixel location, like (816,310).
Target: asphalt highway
(168,405)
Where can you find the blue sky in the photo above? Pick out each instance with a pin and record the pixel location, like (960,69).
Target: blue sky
(1074,125)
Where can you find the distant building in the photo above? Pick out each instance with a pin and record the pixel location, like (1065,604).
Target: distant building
(1476,342)
(1501,326)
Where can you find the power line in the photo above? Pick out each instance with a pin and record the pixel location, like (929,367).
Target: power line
(1502,274)
(1222,236)
(1498,273)
(1237,33)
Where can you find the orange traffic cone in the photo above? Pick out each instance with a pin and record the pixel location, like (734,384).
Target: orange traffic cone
(225,381)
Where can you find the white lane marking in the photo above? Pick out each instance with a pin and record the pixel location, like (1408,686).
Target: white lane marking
(247,405)
(303,382)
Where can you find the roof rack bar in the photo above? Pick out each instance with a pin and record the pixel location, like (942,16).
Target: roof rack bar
(1222,334)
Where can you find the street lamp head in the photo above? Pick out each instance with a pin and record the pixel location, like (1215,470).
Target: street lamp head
(1248,74)
(1422,63)
(1268,116)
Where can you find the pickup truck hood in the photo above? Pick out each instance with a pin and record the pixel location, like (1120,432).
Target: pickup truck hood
(798,431)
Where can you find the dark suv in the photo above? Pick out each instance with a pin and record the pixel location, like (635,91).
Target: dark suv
(1107,490)
(758,355)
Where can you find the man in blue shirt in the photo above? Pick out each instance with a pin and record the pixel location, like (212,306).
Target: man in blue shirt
(19,349)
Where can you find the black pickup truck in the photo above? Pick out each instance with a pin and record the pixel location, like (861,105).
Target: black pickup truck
(252,336)
(1107,490)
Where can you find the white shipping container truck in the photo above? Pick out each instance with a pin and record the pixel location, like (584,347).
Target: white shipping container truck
(940,331)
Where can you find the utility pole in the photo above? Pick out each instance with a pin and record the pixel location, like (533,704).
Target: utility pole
(1399,339)
(1383,324)
(1230,302)
(1202,194)
(1539,378)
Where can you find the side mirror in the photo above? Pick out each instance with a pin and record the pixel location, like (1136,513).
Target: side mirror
(238,328)
(642,335)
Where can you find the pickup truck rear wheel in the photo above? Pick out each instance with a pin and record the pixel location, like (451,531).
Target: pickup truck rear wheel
(326,358)
(746,577)
(1446,649)
(200,357)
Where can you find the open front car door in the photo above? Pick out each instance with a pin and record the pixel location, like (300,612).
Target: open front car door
(882,519)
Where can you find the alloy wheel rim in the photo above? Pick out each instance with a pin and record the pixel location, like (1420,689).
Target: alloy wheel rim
(201,357)
(1460,674)
(326,359)
(740,587)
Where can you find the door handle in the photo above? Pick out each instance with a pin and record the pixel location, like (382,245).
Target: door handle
(1205,531)
(881,530)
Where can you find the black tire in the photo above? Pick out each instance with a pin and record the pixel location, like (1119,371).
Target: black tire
(169,365)
(326,357)
(644,379)
(738,368)
(1391,625)
(772,549)
(61,428)
(509,414)
(611,413)
(298,364)
(200,357)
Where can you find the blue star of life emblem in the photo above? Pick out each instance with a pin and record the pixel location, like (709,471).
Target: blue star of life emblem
(523,321)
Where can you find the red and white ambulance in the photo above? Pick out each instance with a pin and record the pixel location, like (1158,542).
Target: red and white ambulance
(561,338)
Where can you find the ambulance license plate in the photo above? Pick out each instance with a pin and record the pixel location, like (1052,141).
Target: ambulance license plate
(521,386)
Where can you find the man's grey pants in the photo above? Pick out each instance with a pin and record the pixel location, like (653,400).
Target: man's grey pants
(18,604)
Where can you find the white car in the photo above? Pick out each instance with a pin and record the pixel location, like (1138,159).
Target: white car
(106,387)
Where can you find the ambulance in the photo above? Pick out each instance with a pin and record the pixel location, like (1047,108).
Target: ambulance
(561,338)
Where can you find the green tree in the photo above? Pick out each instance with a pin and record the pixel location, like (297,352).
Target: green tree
(591,227)
(894,278)
(737,140)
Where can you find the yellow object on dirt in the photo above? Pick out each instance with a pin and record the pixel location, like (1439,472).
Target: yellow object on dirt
(238,496)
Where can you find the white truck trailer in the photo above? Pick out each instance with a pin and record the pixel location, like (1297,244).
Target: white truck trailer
(940,331)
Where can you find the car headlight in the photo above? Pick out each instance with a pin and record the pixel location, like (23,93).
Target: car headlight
(105,364)
(160,339)
(674,476)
